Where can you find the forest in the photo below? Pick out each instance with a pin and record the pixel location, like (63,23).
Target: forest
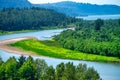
(27,68)
(14,19)
(101,37)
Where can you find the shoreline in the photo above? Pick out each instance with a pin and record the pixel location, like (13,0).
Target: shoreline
(4,45)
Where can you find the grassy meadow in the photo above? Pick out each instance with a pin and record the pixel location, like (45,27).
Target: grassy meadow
(53,49)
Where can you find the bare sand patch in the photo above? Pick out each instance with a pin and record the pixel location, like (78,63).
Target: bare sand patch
(4,45)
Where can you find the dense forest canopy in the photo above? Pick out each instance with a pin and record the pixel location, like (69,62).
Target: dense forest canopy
(101,37)
(31,19)
(29,69)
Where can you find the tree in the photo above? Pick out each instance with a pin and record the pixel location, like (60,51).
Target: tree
(11,68)
(69,72)
(31,19)
(80,71)
(91,74)
(30,59)
(21,60)
(1,61)
(41,68)
(50,74)
(119,22)
(28,70)
(98,24)
(59,71)
(2,72)
(38,70)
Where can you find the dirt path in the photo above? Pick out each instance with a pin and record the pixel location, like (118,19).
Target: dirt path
(4,46)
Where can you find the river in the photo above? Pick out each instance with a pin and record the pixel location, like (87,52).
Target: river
(105,17)
(107,71)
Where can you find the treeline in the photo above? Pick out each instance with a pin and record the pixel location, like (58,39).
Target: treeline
(101,37)
(35,69)
(14,19)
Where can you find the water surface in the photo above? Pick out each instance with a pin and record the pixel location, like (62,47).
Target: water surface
(105,17)
(108,71)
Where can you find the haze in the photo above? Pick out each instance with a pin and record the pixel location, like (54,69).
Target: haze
(100,2)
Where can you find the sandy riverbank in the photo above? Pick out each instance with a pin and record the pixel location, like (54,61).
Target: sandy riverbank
(4,45)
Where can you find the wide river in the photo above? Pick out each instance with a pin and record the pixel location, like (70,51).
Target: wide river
(105,17)
(107,71)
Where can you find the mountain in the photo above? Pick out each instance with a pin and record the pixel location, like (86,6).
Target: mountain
(67,7)
(81,9)
(14,4)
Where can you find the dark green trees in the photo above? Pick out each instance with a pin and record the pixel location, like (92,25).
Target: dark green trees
(28,70)
(38,70)
(31,19)
(59,71)
(11,68)
(98,24)
(119,22)
(103,40)
(21,60)
(41,68)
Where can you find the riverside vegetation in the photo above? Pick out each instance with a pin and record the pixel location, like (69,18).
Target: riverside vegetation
(54,49)
(100,38)
(35,69)
(91,40)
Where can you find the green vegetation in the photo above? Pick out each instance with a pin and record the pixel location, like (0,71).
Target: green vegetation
(32,19)
(54,49)
(29,69)
(100,38)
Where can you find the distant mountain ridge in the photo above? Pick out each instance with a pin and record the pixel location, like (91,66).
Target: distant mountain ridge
(81,9)
(14,4)
(66,7)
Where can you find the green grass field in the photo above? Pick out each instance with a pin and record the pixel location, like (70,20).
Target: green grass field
(54,49)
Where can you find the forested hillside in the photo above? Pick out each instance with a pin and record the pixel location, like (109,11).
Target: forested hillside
(67,7)
(31,19)
(81,9)
(30,69)
(100,37)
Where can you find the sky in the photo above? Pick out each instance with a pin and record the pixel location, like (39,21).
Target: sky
(100,2)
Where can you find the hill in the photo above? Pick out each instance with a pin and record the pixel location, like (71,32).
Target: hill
(14,4)
(81,9)
(66,7)
(31,19)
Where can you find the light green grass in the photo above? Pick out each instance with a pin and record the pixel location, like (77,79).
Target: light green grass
(53,49)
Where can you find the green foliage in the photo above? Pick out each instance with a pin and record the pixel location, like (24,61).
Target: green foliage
(10,68)
(48,49)
(2,71)
(31,19)
(21,60)
(59,71)
(39,70)
(69,72)
(104,40)
(50,74)
(98,24)
(28,71)
(1,61)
